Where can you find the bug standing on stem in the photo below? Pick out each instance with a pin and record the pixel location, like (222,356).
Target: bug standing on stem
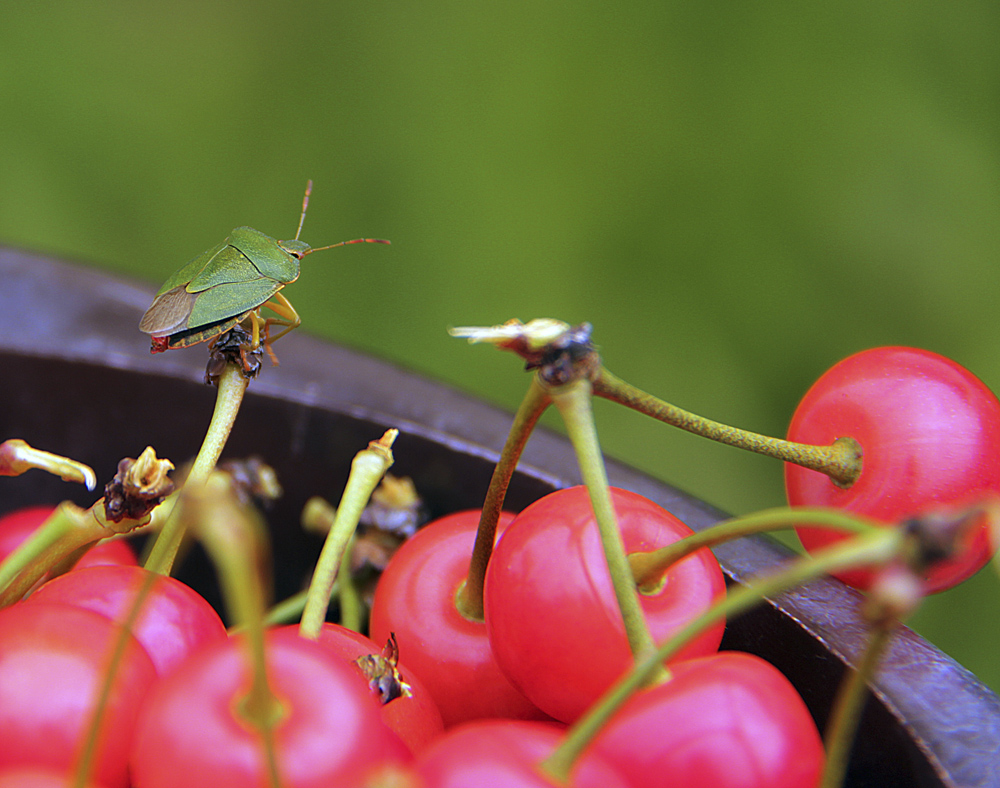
(230,284)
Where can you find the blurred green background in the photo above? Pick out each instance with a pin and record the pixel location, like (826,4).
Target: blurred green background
(736,195)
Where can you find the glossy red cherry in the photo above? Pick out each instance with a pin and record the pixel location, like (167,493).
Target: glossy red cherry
(551,612)
(506,753)
(53,662)
(415,598)
(330,731)
(37,777)
(729,720)
(414,717)
(930,434)
(175,619)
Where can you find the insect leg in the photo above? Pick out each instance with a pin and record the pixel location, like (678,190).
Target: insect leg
(287,317)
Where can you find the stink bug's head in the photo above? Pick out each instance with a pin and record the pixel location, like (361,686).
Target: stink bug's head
(296,248)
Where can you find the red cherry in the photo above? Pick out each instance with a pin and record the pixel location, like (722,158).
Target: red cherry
(175,620)
(330,732)
(415,598)
(53,661)
(37,777)
(18,525)
(112,552)
(506,753)
(551,612)
(414,717)
(729,720)
(930,433)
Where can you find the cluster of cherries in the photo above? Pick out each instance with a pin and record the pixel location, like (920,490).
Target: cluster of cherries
(122,677)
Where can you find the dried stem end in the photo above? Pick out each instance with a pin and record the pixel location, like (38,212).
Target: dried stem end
(560,352)
(140,486)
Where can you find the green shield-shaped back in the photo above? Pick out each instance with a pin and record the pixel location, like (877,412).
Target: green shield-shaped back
(183,276)
(263,251)
(228,300)
(228,266)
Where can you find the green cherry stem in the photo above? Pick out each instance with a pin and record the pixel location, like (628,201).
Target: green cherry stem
(317,515)
(877,547)
(232,386)
(469,599)
(236,541)
(69,531)
(85,765)
(16,457)
(841,460)
(895,593)
(848,705)
(288,610)
(351,607)
(66,530)
(574,403)
(648,567)
(367,470)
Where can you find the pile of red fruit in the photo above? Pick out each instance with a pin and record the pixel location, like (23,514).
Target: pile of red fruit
(492,702)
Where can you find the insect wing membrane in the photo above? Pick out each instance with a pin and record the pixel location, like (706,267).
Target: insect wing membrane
(265,253)
(168,313)
(228,300)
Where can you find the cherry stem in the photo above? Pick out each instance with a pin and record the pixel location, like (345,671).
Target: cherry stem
(848,705)
(16,457)
(236,540)
(351,608)
(876,547)
(841,460)
(232,386)
(895,593)
(68,531)
(85,765)
(648,567)
(367,470)
(289,610)
(574,403)
(469,599)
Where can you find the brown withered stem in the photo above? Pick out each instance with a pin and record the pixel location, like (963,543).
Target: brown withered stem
(254,481)
(395,507)
(139,486)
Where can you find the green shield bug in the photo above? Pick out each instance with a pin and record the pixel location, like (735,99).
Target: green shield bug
(229,284)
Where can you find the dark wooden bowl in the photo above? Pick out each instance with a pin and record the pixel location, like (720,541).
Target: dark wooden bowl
(77,378)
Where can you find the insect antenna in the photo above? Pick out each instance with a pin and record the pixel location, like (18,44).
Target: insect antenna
(305,204)
(353,241)
(302,218)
